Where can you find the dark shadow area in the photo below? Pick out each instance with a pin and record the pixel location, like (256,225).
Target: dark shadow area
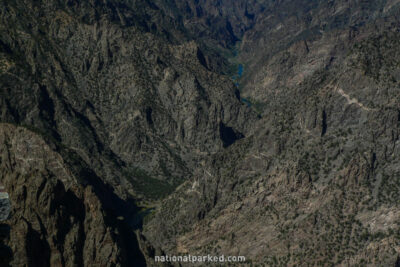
(115,207)
(398,116)
(5,255)
(397,263)
(202,59)
(237,94)
(37,248)
(324,124)
(149,117)
(228,135)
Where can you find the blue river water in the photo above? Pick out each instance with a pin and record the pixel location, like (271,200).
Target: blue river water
(236,78)
(238,75)
(240,70)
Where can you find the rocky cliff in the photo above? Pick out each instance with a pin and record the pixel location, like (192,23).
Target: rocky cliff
(125,101)
(316,182)
(55,220)
(108,107)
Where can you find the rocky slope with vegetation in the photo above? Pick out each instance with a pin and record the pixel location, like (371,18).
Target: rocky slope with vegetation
(122,95)
(109,107)
(317,182)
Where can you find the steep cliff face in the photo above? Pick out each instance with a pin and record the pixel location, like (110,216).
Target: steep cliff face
(55,221)
(135,105)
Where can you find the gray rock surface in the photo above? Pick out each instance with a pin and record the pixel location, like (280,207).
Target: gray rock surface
(53,215)
(107,105)
(316,181)
(5,208)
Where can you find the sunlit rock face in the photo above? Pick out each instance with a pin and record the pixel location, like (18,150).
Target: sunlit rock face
(5,205)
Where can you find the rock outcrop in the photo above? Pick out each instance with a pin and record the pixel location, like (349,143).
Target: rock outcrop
(55,220)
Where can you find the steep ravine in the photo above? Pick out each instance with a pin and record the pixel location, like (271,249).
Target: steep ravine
(120,106)
(316,183)
(123,136)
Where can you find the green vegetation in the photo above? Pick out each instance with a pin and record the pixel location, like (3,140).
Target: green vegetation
(150,187)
